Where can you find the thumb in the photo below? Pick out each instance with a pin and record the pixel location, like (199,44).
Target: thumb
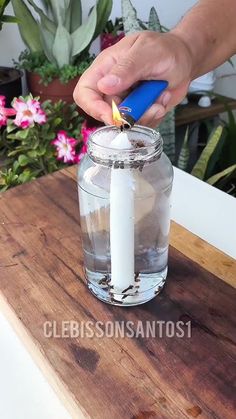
(125,73)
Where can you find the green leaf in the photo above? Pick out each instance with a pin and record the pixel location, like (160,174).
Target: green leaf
(46,5)
(9,19)
(184,152)
(63,12)
(22,134)
(56,121)
(103,12)
(164,29)
(47,39)
(68,18)
(11,127)
(216,157)
(76,15)
(60,10)
(230,149)
(28,26)
(154,22)
(23,160)
(14,152)
(56,8)
(3,5)
(200,168)
(167,131)
(62,46)
(12,137)
(218,176)
(130,20)
(15,166)
(26,176)
(84,34)
(3,188)
(19,135)
(228,183)
(47,23)
(73,15)
(35,144)
(32,154)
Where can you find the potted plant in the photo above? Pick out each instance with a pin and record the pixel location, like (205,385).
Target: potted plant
(57,43)
(112,33)
(216,163)
(10,78)
(38,138)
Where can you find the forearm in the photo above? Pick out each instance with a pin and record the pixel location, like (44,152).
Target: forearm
(209,31)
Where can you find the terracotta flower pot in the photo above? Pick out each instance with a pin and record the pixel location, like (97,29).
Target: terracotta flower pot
(53,91)
(56,91)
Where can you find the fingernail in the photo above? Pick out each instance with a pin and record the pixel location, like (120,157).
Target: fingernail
(166,98)
(160,112)
(110,80)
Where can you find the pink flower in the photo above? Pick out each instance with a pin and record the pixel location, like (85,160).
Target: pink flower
(81,154)
(2,100)
(28,111)
(5,112)
(86,131)
(65,147)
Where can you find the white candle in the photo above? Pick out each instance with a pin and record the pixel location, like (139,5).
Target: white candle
(122,222)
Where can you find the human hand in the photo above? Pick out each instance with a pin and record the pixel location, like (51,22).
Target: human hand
(140,56)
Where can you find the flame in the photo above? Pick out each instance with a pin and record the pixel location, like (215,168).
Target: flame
(117,118)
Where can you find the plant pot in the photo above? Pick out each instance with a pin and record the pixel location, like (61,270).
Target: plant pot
(108,39)
(10,83)
(54,91)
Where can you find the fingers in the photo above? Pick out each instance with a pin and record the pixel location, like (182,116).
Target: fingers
(87,94)
(153,116)
(126,70)
(91,102)
(164,104)
(140,56)
(165,98)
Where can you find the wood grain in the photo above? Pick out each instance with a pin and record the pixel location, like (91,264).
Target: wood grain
(187,114)
(42,280)
(212,259)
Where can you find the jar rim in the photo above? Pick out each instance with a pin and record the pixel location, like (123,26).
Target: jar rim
(150,151)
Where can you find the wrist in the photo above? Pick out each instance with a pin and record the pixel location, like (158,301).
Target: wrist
(184,54)
(194,48)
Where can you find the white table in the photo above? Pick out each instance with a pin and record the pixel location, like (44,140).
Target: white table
(24,392)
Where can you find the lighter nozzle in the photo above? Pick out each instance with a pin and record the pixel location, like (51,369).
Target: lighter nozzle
(127,121)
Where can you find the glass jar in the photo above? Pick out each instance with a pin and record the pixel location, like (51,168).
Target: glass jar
(124,197)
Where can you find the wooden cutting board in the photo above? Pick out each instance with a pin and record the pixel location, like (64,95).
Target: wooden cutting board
(135,378)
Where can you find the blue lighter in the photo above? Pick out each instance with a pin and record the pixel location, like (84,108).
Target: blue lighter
(140,99)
